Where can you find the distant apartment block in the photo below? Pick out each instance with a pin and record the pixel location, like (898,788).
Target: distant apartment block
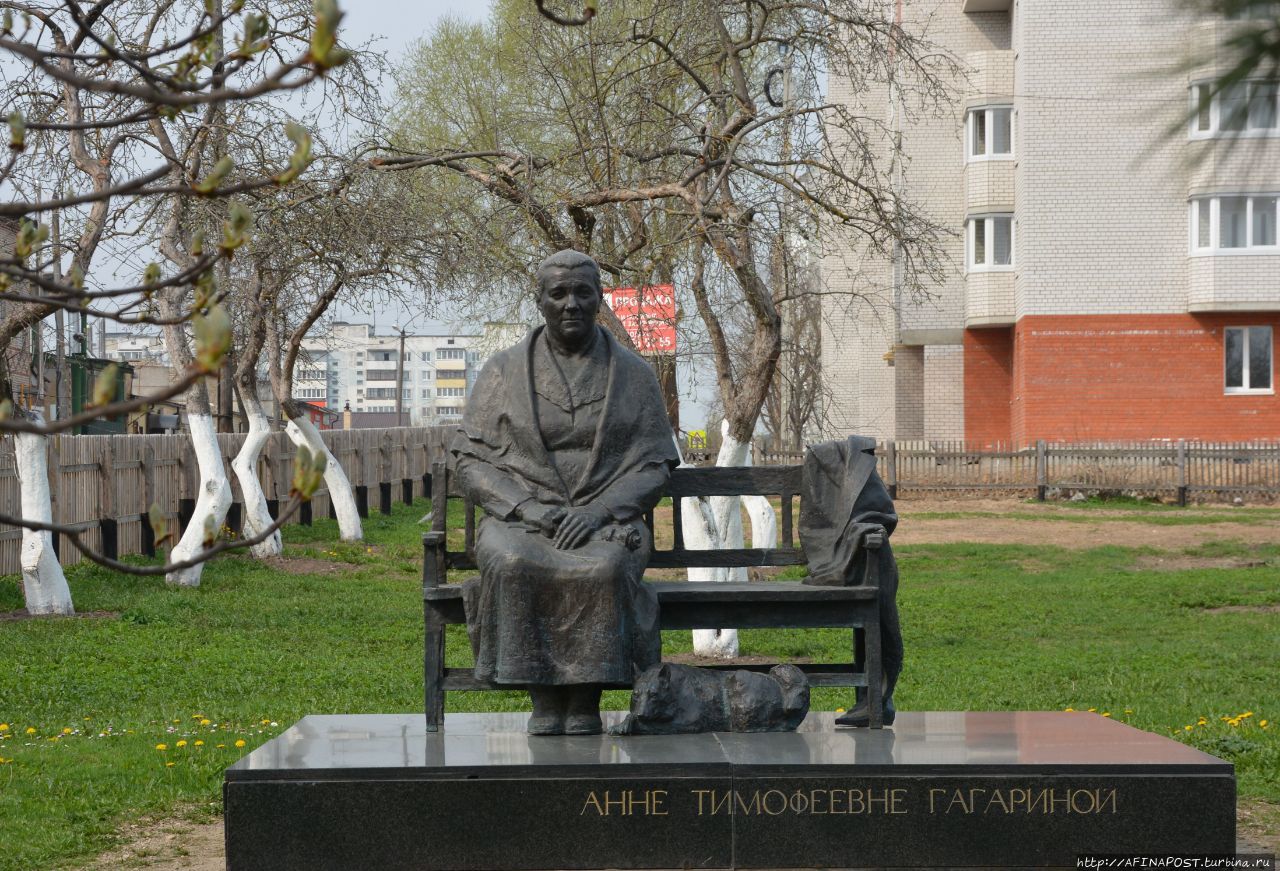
(1116,266)
(352,366)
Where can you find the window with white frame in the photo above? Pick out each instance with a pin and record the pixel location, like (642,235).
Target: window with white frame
(1244,109)
(989,243)
(1248,354)
(451,391)
(1235,224)
(989,133)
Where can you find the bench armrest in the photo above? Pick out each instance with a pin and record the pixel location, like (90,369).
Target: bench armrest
(433,561)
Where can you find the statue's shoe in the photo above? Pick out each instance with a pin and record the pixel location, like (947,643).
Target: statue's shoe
(546,726)
(860,717)
(583,724)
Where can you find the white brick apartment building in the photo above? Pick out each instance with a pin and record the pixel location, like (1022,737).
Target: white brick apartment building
(353,366)
(1116,273)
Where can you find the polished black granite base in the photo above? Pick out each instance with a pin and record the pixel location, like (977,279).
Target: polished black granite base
(938,790)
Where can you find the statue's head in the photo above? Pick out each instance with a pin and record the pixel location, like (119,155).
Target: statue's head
(569,296)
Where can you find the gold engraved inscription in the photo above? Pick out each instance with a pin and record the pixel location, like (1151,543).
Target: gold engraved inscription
(869,801)
(1045,801)
(625,803)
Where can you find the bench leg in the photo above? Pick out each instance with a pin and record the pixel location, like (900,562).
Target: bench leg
(873,668)
(433,668)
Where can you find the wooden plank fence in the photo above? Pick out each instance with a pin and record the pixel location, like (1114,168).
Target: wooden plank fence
(1178,469)
(105,485)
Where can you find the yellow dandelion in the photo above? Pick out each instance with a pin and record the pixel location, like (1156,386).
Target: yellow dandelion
(239,742)
(162,746)
(181,744)
(31,730)
(168,765)
(221,746)
(4,761)
(66,730)
(1246,715)
(839,710)
(1233,722)
(205,722)
(1106,713)
(199,743)
(1093,710)
(265,722)
(1069,709)
(1128,710)
(1262,724)
(4,727)
(1188,728)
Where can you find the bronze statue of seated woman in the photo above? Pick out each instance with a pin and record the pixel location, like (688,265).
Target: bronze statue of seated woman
(565,444)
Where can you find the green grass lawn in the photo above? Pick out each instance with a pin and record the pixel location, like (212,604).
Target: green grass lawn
(85,703)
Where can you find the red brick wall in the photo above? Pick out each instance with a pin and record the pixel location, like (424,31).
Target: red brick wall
(988,385)
(1116,377)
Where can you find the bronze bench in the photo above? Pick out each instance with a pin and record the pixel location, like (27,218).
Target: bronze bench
(684,605)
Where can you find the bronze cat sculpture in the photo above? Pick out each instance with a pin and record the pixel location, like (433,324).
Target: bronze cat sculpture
(671,699)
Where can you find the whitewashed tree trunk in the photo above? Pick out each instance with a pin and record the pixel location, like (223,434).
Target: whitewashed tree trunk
(44,586)
(726,523)
(212,502)
(303,432)
(257,517)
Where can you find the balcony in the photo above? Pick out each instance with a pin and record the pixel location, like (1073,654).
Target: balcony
(987,5)
(1233,282)
(380,374)
(989,299)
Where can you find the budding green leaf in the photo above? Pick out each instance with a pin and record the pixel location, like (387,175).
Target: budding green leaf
(17,129)
(6,409)
(76,277)
(308,473)
(159,523)
(254,40)
(212,331)
(30,236)
(216,176)
(235,230)
(104,386)
(197,244)
(301,157)
(325,53)
(151,275)
(8,23)
(205,287)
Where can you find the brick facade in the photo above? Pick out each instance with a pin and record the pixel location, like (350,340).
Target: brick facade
(1111,377)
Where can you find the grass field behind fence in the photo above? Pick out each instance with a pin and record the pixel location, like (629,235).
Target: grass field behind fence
(108,718)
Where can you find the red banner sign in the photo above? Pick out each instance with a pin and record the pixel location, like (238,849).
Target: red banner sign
(648,314)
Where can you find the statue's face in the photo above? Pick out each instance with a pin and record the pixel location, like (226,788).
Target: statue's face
(569,300)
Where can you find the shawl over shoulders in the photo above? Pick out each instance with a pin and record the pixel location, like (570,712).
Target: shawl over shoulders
(500,425)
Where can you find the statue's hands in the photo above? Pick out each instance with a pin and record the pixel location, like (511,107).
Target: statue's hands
(547,518)
(578,524)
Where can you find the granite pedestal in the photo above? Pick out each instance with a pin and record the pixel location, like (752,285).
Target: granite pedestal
(937,790)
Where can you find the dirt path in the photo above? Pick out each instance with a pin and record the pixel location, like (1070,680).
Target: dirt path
(1074,528)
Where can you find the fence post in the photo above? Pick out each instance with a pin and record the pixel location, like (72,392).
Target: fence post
(107,524)
(1182,472)
(384,475)
(891,467)
(52,458)
(147,534)
(1042,469)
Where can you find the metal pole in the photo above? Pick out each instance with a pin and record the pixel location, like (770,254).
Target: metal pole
(400,382)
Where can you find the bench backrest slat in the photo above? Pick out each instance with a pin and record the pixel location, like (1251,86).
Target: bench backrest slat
(734,481)
(783,481)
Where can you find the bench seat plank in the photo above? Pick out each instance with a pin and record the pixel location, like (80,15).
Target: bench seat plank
(830,674)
